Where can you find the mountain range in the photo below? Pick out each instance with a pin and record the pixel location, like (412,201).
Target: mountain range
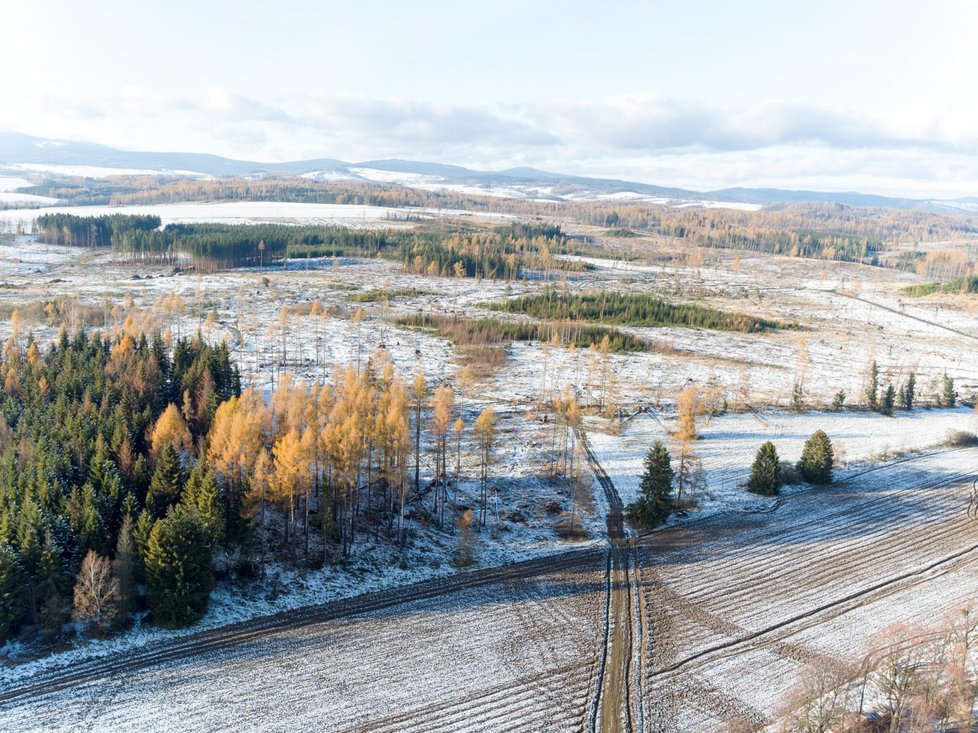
(20,152)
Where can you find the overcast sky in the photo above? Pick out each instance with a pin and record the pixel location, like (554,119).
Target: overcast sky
(872,96)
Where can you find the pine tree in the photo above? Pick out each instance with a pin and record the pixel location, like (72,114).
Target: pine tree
(654,503)
(140,536)
(11,604)
(178,569)
(908,393)
(686,406)
(873,387)
(124,567)
(839,400)
(171,430)
(815,465)
(485,433)
(949,397)
(93,532)
(889,400)
(202,494)
(166,484)
(765,474)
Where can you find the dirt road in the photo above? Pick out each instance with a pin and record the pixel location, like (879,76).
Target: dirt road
(617,702)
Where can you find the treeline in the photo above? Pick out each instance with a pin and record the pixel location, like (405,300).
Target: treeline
(92,231)
(130,475)
(87,467)
(502,252)
(472,332)
(814,229)
(629,309)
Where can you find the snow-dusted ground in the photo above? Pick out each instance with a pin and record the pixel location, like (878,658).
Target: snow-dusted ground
(738,602)
(246,212)
(727,444)
(9,192)
(841,335)
(748,601)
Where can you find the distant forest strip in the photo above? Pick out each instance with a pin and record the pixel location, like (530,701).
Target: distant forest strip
(630,309)
(967,284)
(812,229)
(483,331)
(437,250)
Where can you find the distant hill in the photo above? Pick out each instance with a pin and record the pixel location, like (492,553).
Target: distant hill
(18,149)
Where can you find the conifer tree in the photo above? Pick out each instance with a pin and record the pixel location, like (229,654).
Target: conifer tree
(889,400)
(124,567)
(11,606)
(949,397)
(178,569)
(654,503)
(765,474)
(167,482)
(170,429)
(140,536)
(815,464)
(873,386)
(908,393)
(485,433)
(201,493)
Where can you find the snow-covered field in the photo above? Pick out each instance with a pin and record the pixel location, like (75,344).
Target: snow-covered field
(749,600)
(9,194)
(727,444)
(519,648)
(727,611)
(244,212)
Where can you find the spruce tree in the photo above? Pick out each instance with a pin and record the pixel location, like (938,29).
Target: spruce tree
(949,397)
(873,387)
(839,400)
(11,600)
(178,569)
(654,503)
(166,484)
(815,465)
(124,567)
(889,399)
(140,536)
(765,474)
(203,496)
(908,393)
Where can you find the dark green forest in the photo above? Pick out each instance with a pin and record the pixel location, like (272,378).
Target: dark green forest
(630,309)
(438,250)
(79,474)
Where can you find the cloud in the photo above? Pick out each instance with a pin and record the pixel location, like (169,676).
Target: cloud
(646,137)
(648,123)
(422,123)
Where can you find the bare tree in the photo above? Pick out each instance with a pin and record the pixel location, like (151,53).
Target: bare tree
(96,592)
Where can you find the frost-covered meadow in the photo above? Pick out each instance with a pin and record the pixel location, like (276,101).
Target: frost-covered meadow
(543,636)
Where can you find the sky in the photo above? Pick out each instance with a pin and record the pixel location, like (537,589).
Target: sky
(878,97)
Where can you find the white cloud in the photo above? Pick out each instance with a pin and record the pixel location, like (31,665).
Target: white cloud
(928,148)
